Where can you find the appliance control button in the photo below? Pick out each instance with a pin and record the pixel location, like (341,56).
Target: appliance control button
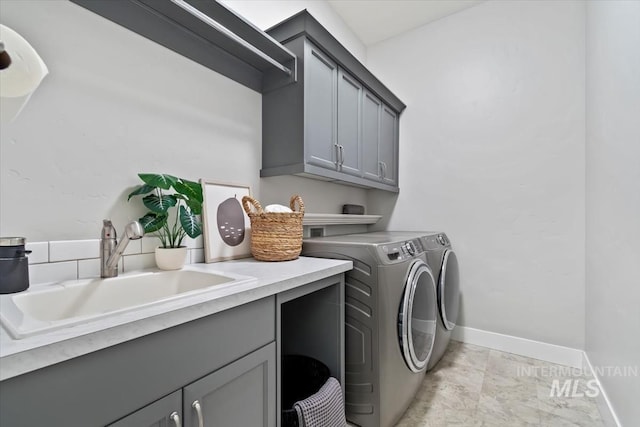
(411,250)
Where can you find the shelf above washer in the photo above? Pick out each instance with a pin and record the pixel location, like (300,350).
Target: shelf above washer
(338,219)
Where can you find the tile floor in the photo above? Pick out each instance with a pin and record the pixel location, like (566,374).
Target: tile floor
(476,386)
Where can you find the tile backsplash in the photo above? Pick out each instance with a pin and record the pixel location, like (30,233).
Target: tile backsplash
(80,259)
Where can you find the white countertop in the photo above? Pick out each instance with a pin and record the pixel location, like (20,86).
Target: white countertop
(28,354)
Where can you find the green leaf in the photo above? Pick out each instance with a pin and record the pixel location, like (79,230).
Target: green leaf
(195,206)
(190,223)
(143,189)
(153,221)
(159,204)
(193,190)
(158,180)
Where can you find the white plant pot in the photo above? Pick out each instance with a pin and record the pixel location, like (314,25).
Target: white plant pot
(171,258)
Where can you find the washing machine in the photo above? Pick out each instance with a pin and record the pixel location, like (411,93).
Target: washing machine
(444,264)
(390,321)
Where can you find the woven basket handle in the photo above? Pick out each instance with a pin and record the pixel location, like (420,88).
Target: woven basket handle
(293,201)
(248,201)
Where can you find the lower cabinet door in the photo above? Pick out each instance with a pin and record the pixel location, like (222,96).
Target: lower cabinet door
(242,394)
(166,412)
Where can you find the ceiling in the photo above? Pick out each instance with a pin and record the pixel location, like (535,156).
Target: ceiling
(376,20)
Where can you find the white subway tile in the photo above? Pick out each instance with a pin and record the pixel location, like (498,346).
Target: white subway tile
(138,262)
(196,256)
(149,244)
(134,247)
(65,250)
(88,268)
(39,252)
(196,243)
(53,272)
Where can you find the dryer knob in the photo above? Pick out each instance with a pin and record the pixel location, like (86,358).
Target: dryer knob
(410,248)
(441,239)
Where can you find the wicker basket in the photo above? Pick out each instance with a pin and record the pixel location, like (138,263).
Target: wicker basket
(275,236)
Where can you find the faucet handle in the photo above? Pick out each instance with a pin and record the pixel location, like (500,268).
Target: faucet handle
(134,230)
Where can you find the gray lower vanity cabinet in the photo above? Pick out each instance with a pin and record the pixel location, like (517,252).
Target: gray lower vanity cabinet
(321,126)
(240,394)
(161,413)
(137,382)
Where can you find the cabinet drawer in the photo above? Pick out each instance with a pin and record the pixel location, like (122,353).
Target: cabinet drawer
(161,413)
(240,394)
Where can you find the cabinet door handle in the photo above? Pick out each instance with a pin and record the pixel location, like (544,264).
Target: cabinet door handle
(384,170)
(175,418)
(380,171)
(337,153)
(341,147)
(196,405)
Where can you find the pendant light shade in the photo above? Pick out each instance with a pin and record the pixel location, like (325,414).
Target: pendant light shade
(21,71)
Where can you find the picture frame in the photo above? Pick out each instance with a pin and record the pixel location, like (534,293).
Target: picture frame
(226,226)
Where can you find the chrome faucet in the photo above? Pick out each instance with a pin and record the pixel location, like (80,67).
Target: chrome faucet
(110,250)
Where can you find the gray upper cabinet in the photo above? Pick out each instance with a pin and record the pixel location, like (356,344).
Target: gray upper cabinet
(379,141)
(337,122)
(349,123)
(371,107)
(320,109)
(388,145)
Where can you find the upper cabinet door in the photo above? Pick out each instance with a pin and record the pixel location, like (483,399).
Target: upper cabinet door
(371,107)
(388,145)
(349,123)
(320,104)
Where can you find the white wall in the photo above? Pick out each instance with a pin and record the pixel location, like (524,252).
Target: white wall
(115,104)
(613,198)
(492,152)
(265,14)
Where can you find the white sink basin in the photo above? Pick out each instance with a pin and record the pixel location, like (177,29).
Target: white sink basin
(49,307)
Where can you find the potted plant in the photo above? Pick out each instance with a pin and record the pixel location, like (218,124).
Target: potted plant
(162,193)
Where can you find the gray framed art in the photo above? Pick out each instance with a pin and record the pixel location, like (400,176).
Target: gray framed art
(227,228)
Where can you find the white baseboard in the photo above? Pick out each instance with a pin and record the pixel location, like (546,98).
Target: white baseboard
(522,346)
(607,413)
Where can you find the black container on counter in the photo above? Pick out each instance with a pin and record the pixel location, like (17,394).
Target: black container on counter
(14,265)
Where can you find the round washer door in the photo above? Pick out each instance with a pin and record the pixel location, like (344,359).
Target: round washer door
(449,290)
(418,316)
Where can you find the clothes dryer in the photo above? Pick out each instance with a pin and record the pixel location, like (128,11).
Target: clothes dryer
(390,321)
(444,263)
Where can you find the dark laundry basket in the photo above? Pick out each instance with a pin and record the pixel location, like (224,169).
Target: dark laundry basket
(302,376)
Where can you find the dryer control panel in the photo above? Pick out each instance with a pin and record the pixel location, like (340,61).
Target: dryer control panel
(400,251)
(436,241)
